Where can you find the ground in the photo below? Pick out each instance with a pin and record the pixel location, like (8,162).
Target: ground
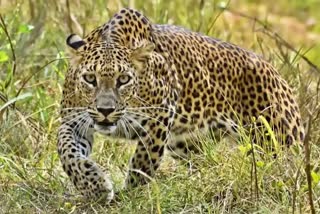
(225,179)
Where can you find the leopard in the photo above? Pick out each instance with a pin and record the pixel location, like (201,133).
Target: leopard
(157,84)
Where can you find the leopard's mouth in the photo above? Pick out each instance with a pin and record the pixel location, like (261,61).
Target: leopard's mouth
(105,127)
(106,123)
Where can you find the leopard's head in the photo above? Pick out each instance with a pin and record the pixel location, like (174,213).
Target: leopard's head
(107,78)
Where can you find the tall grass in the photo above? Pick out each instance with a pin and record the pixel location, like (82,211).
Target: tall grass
(33,61)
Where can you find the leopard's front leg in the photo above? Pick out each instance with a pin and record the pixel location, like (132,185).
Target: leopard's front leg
(74,148)
(150,148)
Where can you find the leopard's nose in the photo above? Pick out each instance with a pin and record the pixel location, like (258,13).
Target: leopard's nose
(105,111)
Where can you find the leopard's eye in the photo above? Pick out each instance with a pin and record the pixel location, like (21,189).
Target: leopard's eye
(123,79)
(90,78)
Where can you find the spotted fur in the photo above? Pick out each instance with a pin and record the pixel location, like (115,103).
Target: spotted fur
(156,84)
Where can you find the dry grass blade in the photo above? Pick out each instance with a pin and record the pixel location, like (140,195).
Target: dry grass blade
(307,148)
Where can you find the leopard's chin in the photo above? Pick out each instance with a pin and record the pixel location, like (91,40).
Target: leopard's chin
(105,128)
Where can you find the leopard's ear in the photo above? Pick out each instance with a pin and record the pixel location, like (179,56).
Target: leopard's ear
(141,54)
(74,41)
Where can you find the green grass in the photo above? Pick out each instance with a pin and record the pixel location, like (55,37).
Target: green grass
(224,179)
